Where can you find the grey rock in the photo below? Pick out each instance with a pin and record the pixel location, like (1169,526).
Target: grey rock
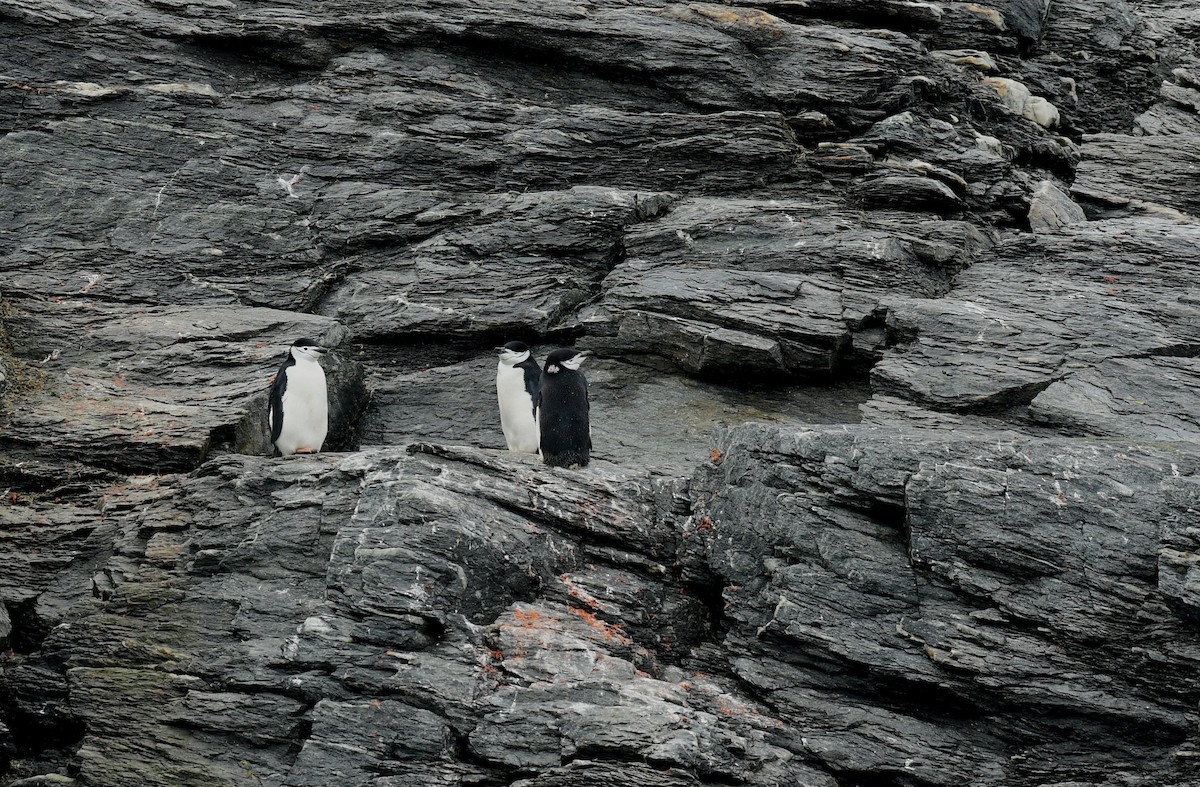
(909,191)
(462,282)
(1150,398)
(1051,208)
(1117,170)
(645,419)
(1014,326)
(893,541)
(745,287)
(1165,118)
(957,547)
(1084,40)
(998,24)
(356,742)
(157,388)
(1178,567)
(417,559)
(465,600)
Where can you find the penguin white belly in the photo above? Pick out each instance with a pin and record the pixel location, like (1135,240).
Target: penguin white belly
(305,410)
(516,410)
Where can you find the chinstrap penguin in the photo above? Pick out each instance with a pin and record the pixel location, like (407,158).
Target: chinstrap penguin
(299,411)
(562,412)
(517,390)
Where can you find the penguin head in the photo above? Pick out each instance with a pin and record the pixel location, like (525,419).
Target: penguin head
(564,358)
(307,350)
(513,353)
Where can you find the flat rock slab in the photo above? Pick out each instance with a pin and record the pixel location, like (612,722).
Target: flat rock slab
(1143,398)
(770,288)
(518,262)
(1037,310)
(1118,169)
(995,25)
(641,418)
(140,389)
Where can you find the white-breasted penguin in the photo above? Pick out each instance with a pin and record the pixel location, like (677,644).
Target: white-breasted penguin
(517,390)
(565,433)
(299,411)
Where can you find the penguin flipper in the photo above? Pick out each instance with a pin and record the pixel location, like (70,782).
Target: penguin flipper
(533,380)
(275,406)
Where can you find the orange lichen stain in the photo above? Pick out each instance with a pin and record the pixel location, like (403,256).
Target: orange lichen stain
(487,662)
(731,708)
(579,595)
(527,617)
(610,632)
(714,456)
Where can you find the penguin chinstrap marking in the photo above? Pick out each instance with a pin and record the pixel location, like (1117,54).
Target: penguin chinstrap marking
(299,411)
(517,380)
(562,414)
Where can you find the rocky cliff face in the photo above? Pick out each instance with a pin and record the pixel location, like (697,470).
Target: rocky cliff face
(896,316)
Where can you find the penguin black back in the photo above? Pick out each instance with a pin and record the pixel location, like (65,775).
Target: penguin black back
(563,420)
(278,389)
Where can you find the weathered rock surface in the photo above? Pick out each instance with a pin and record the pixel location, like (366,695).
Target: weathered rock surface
(941,254)
(458,614)
(900,571)
(1152,177)
(770,288)
(1042,308)
(156,388)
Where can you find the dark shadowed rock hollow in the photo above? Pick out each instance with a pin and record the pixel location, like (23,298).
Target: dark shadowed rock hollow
(894,314)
